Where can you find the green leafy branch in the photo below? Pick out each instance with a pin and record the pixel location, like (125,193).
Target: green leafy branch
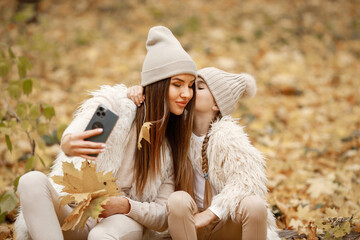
(20,116)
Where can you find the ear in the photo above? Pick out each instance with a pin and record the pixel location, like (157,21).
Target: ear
(215,108)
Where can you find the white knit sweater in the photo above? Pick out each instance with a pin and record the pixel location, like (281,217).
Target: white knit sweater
(148,209)
(236,169)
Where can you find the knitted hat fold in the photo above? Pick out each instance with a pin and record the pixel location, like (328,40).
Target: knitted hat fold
(228,88)
(165,57)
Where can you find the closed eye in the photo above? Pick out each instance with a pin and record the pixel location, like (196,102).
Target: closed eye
(200,85)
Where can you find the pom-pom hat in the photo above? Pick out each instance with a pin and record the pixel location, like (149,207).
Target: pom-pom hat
(228,88)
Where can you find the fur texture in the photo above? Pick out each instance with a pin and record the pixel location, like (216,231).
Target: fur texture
(112,159)
(236,169)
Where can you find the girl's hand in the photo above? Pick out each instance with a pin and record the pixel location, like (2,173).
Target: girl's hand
(115,205)
(135,93)
(76,145)
(204,218)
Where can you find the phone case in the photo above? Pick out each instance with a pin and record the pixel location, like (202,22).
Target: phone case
(103,118)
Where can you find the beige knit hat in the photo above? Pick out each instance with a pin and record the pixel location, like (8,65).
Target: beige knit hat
(228,88)
(165,57)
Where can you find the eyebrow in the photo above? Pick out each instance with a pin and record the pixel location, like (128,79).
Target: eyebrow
(178,79)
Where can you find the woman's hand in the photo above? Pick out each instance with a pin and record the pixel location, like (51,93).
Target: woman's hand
(76,145)
(135,93)
(115,205)
(204,218)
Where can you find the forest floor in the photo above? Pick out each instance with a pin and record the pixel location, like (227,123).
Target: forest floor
(305,56)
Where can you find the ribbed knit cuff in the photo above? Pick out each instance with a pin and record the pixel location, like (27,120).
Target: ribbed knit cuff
(135,211)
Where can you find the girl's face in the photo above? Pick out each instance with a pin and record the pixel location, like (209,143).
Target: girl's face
(205,102)
(180,92)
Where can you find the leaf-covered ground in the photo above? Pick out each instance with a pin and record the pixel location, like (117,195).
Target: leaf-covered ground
(303,54)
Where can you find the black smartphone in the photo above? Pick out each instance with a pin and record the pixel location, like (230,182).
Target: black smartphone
(103,118)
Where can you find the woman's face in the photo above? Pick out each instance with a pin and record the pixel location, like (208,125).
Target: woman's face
(204,99)
(180,92)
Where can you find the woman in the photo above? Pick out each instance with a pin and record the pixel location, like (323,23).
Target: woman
(225,195)
(145,176)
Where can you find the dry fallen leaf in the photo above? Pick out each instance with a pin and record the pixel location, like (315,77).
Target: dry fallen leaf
(320,186)
(90,207)
(330,212)
(311,228)
(357,227)
(4,232)
(144,133)
(87,188)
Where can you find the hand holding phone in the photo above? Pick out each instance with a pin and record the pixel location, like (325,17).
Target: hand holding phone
(105,119)
(90,142)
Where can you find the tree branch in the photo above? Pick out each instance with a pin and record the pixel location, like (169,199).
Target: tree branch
(18,119)
(12,111)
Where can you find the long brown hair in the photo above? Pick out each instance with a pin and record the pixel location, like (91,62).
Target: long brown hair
(165,125)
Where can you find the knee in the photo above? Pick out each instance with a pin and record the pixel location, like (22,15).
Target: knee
(179,204)
(96,233)
(253,208)
(31,181)
(100,232)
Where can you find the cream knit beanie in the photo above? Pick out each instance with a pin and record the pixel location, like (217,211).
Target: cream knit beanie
(165,57)
(228,88)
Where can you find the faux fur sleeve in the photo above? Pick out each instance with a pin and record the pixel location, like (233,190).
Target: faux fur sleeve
(237,169)
(110,96)
(113,97)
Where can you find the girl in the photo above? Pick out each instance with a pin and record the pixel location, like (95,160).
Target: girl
(225,194)
(145,176)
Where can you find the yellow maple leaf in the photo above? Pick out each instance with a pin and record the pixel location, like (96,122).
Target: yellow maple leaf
(90,207)
(306,213)
(330,212)
(74,217)
(87,188)
(144,133)
(86,180)
(319,186)
(93,210)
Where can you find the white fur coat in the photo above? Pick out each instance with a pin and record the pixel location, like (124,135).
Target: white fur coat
(236,169)
(149,209)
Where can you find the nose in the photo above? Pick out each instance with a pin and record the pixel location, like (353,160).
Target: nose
(186,93)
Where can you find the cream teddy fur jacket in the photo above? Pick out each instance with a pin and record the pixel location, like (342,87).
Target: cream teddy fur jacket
(236,169)
(148,209)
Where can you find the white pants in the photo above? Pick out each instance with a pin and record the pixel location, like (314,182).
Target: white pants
(43,215)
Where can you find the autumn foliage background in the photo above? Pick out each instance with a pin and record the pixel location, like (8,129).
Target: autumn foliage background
(304,55)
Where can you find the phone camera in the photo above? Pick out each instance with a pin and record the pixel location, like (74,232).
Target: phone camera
(101,109)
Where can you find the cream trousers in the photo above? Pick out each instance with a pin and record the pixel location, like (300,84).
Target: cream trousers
(250,222)
(43,215)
